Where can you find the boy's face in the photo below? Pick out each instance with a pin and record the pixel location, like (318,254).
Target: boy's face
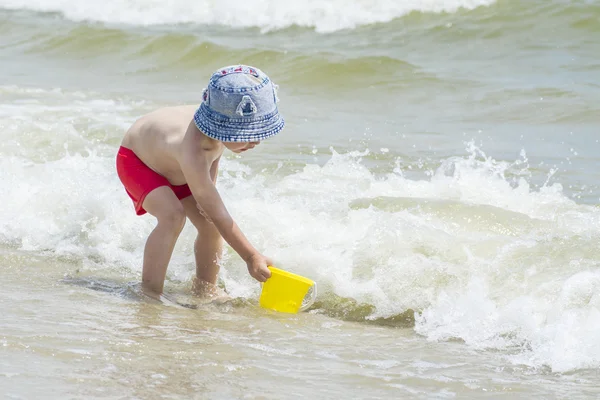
(240,147)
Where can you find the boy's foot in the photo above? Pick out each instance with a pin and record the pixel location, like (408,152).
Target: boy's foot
(208,291)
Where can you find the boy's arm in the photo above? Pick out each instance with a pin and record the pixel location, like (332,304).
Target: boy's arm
(196,167)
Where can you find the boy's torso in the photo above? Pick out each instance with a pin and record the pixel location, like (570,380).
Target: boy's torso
(156,139)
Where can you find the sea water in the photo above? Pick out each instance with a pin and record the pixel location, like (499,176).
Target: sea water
(437,177)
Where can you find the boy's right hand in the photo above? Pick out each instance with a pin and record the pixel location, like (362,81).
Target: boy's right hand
(257,267)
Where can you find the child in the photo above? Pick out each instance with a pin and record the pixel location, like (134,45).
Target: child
(169,160)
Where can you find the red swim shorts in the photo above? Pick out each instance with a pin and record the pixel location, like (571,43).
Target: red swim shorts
(139,180)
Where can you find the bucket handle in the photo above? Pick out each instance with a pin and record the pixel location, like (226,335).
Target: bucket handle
(312,298)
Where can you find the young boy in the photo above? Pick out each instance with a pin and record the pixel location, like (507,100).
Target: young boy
(168,162)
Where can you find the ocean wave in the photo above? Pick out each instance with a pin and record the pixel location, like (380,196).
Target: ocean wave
(143,52)
(472,251)
(323,16)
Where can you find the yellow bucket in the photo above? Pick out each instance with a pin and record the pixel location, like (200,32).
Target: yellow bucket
(285,292)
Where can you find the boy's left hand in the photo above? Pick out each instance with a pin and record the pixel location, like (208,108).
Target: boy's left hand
(257,267)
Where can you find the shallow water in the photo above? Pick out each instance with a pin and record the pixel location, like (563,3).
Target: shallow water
(62,340)
(438,178)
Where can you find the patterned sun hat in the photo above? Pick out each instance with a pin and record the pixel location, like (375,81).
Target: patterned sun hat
(239,105)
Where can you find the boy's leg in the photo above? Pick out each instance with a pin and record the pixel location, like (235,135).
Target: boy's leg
(168,210)
(209,244)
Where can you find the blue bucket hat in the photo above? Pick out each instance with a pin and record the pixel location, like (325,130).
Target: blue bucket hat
(239,105)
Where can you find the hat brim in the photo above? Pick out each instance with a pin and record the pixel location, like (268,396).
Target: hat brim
(225,129)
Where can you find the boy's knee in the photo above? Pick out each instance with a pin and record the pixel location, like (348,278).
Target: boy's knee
(174,218)
(206,228)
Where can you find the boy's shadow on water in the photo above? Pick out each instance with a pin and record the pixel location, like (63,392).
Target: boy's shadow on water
(133,291)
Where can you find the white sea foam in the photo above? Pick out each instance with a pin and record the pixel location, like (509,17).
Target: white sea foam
(495,263)
(324,16)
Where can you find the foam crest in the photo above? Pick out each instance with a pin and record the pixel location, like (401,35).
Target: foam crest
(324,16)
